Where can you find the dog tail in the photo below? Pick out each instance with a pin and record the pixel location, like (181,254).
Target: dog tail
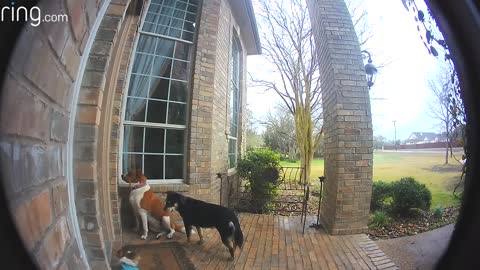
(236,232)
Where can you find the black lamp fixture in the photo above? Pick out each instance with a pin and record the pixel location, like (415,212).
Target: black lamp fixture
(370,69)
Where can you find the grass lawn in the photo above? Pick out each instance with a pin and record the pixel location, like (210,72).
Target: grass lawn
(427,168)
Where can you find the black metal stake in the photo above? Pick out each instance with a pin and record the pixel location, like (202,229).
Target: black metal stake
(318,225)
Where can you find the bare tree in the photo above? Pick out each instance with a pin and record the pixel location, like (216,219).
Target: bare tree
(289,46)
(439,109)
(280,131)
(359,18)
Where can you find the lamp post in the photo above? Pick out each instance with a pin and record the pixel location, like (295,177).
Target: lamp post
(370,69)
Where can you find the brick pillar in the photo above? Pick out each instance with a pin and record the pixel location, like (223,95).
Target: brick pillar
(347,119)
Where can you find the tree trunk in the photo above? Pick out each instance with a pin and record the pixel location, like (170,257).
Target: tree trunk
(304,135)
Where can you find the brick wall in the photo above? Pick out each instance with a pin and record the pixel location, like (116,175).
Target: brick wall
(347,119)
(209,122)
(35,113)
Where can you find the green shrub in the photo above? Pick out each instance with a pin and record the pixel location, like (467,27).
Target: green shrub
(407,194)
(379,219)
(438,212)
(260,168)
(381,191)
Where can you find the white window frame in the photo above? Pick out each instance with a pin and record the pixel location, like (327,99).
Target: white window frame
(124,122)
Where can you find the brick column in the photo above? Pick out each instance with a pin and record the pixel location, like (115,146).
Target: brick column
(347,119)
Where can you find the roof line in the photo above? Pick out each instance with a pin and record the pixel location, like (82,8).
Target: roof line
(253,22)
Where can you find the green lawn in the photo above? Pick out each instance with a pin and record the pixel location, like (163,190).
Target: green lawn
(427,168)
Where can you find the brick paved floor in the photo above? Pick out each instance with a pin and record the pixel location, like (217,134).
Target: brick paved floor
(276,242)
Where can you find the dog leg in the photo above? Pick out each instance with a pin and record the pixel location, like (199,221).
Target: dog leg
(200,234)
(230,245)
(137,223)
(143,215)
(188,231)
(166,224)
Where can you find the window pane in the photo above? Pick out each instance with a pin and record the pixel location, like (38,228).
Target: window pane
(188,26)
(157,111)
(138,86)
(146,44)
(187,36)
(142,64)
(192,8)
(135,109)
(179,71)
(131,162)
(167,11)
(164,47)
(178,91)
(182,51)
(181,5)
(151,17)
(153,166)
(133,139)
(191,17)
(162,67)
(173,167)
(176,33)
(175,141)
(148,27)
(177,23)
(159,88)
(162,30)
(176,113)
(154,140)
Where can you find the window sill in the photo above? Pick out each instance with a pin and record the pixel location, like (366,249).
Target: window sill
(163,187)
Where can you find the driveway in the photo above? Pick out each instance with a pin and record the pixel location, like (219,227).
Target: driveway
(420,251)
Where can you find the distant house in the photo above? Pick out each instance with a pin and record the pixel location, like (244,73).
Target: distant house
(425,137)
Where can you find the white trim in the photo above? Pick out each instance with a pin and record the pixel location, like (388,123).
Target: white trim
(166,37)
(156,182)
(145,124)
(71,131)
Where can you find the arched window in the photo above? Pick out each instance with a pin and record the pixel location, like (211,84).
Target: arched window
(154,126)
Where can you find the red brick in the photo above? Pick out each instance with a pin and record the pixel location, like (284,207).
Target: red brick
(90,97)
(91,9)
(85,170)
(56,33)
(77,18)
(53,246)
(116,10)
(52,81)
(22,113)
(88,115)
(60,197)
(33,218)
(71,58)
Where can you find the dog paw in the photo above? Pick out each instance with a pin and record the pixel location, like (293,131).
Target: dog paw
(170,235)
(160,235)
(144,236)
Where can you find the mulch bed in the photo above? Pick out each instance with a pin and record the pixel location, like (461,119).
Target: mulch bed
(400,227)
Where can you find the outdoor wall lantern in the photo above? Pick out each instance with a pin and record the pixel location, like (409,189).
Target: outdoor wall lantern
(370,69)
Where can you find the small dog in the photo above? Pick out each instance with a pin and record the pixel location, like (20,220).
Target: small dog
(149,207)
(129,259)
(206,215)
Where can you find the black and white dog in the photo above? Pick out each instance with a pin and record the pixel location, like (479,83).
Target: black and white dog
(206,215)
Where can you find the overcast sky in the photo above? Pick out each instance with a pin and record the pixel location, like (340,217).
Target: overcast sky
(400,92)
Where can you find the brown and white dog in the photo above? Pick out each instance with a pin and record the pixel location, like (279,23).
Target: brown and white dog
(149,208)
